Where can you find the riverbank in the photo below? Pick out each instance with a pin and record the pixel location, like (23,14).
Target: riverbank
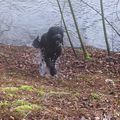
(83,88)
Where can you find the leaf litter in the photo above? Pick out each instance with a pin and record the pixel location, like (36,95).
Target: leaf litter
(82,90)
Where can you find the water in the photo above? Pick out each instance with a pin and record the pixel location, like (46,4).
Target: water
(21,21)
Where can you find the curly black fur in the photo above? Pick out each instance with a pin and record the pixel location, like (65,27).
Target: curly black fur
(50,45)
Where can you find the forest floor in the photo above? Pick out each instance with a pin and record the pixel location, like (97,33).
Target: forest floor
(83,90)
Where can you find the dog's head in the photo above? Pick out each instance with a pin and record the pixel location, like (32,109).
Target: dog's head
(55,36)
(57,39)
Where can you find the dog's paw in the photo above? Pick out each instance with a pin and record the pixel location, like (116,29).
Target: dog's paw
(53,71)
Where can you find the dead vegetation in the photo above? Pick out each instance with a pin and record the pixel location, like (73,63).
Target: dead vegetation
(83,90)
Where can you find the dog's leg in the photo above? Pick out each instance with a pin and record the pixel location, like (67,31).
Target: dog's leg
(54,67)
(41,67)
(41,71)
(54,58)
(50,66)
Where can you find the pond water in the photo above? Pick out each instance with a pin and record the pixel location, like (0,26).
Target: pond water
(21,21)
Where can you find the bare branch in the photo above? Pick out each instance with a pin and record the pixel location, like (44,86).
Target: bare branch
(104,18)
(116,10)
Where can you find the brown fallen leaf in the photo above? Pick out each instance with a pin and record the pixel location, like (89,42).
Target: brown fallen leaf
(11,118)
(53,109)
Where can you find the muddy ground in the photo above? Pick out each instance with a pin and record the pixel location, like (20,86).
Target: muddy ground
(83,89)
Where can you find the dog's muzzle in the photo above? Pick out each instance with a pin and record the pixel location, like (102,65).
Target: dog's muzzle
(57,41)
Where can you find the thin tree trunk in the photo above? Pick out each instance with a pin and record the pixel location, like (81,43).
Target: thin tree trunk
(104,28)
(80,38)
(66,29)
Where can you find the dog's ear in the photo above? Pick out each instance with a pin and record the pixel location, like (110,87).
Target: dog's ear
(36,43)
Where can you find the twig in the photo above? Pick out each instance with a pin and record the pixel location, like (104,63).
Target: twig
(26,115)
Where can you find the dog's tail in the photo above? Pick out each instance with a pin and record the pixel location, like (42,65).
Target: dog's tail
(36,43)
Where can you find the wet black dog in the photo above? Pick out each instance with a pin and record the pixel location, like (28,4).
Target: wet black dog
(50,45)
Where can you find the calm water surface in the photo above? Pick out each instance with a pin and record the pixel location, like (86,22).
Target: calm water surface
(21,21)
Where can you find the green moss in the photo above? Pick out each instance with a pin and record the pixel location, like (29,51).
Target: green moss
(83,76)
(78,50)
(64,93)
(73,109)
(41,87)
(47,91)
(40,109)
(10,79)
(65,88)
(11,95)
(89,76)
(25,87)
(20,102)
(4,103)
(102,95)
(1,104)
(86,56)
(52,92)
(116,79)
(3,54)
(73,92)
(75,98)
(13,89)
(59,117)
(88,79)
(94,95)
(24,108)
(12,73)
(112,92)
(3,77)
(40,92)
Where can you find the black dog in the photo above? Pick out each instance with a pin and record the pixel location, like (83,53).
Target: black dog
(50,45)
